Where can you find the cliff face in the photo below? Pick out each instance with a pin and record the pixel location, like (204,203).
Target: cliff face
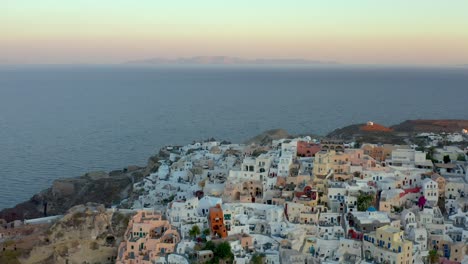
(87,233)
(100,187)
(267,136)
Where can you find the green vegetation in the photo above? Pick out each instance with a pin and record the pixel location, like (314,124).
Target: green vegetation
(168,200)
(194,232)
(447,159)
(364,201)
(433,256)
(461,157)
(430,153)
(257,258)
(222,252)
(209,246)
(357,174)
(206,232)
(397,209)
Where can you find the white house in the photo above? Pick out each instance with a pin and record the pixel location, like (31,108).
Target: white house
(284,163)
(406,158)
(419,236)
(454,188)
(408,220)
(430,191)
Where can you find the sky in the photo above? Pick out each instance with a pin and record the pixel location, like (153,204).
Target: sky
(350,32)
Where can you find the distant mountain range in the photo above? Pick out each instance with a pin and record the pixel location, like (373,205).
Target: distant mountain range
(224,60)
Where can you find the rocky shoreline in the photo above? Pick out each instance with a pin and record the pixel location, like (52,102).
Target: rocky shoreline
(111,188)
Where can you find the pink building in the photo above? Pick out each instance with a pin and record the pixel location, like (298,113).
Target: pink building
(147,238)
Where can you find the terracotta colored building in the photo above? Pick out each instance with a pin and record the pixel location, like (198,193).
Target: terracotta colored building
(216,222)
(306,149)
(148,238)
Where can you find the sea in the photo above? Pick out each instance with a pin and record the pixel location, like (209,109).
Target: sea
(65,120)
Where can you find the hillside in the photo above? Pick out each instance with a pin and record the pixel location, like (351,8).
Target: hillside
(267,136)
(436,126)
(99,187)
(396,134)
(85,234)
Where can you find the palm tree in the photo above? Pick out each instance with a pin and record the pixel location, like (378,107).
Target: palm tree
(433,256)
(195,231)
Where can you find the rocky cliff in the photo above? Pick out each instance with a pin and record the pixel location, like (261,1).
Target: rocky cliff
(100,187)
(267,136)
(87,233)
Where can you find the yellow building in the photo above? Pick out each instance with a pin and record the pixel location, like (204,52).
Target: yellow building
(379,152)
(327,161)
(386,245)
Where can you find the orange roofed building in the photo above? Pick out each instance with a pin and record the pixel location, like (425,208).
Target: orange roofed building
(147,238)
(216,222)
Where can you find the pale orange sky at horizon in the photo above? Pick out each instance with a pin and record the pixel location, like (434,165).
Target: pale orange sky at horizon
(388,32)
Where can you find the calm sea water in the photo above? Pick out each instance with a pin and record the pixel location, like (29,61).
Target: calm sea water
(64,121)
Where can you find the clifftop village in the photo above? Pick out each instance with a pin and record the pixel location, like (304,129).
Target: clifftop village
(299,200)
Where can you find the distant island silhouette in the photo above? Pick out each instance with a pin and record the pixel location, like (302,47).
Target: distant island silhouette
(226,60)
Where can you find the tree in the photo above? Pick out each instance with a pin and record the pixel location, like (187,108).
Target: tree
(430,153)
(397,209)
(461,157)
(357,144)
(357,174)
(206,232)
(195,231)
(364,201)
(209,246)
(257,259)
(223,251)
(433,256)
(447,159)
